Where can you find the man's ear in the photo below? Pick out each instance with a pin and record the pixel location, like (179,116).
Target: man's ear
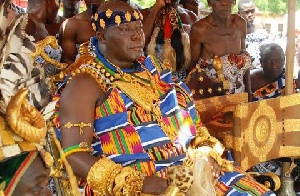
(101,36)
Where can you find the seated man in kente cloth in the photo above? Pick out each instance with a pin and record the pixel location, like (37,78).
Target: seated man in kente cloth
(217,47)
(269,80)
(137,119)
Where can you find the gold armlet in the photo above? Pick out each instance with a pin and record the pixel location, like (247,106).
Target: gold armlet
(81,125)
(101,176)
(128,182)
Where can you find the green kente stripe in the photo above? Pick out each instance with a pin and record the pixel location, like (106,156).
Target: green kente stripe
(174,123)
(246,188)
(158,155)
(157,63)
(135,119)
(124,142)
(180,118)
(102,111)
(114,134)
(106,68)
(107,107)
(138,165)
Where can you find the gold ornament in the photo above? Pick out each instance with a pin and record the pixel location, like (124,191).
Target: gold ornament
(40,51)
(24,119)
(108,13)
(81,125)
(128,17)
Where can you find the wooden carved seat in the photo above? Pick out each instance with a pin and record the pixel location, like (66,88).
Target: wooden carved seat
(265,130)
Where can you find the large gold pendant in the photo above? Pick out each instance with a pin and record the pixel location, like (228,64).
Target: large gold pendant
(141,94)
(147,97)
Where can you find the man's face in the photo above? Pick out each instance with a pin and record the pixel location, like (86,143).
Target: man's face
(247,11)
(192,5)
(71,4)
(222,8)
(272,62)
(125,42)
(52,9)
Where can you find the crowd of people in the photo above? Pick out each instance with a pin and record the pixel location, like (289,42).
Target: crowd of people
(118,85)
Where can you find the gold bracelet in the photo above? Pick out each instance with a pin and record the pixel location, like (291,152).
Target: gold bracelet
(128,183)
(72,151)
(81,125)
(134,184)
(121,179)
(99,174)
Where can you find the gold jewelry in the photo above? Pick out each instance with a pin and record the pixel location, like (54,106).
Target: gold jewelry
(133,184)
(73,151)
(100,173)
(40,51)
(129,182)
(80,125)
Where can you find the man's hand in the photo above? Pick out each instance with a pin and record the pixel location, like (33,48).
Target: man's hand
(215,168)
(161,3)
(154,185)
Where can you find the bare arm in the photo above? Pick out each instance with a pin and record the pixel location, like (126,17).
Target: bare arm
(67,34)
(77,107)
(242,25)
(247,82)
(149,20)
(196,41)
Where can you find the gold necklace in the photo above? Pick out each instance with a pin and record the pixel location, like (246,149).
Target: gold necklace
(138,91)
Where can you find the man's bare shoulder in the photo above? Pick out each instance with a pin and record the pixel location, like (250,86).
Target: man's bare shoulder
(238,19)
(256,73)
(201,25)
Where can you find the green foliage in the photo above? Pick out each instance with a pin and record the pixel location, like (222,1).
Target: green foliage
(266,6)
(144,3)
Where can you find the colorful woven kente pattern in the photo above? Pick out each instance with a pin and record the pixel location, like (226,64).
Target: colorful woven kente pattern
(239,183)
(130,135)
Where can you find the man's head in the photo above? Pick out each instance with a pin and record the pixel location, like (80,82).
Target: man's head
(49,6)
(272,60)
(119,30)
(192,5)
(174,3)
(246,8)
(71,7)
(222,8)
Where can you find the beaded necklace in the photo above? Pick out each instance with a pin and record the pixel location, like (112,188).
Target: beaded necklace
(138,85)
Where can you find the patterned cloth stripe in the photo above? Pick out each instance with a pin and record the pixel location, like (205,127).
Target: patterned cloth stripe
(279,84)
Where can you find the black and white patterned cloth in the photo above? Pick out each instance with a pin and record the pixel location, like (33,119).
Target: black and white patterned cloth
(253,40)
(17,9)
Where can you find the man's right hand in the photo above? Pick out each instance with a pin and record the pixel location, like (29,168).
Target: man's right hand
(161,3)
(154,185)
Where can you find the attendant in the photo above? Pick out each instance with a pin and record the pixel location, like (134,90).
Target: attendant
(43,19)
(76,31)
(218,50)
(256,32)
(269,80)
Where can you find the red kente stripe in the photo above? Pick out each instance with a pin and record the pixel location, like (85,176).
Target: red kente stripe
(20,172)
